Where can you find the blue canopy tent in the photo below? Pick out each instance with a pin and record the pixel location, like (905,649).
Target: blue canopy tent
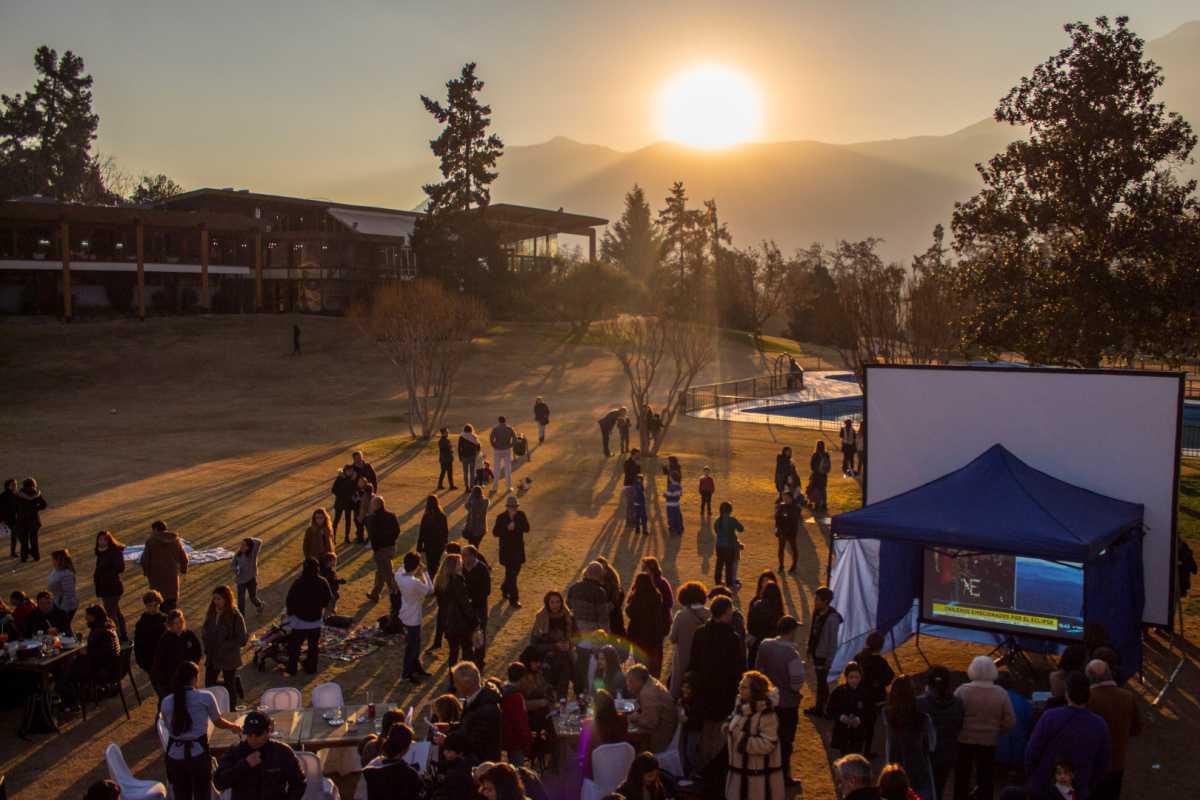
(995,504)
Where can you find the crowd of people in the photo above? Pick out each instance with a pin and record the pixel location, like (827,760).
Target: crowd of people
(687,660)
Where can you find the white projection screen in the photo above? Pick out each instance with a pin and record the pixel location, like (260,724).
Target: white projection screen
(1114,432)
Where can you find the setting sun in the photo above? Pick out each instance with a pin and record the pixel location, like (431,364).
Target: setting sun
(710,106)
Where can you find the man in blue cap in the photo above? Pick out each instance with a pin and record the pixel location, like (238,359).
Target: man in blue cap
(260,768)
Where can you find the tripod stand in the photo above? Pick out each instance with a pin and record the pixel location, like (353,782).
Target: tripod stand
(1012,655)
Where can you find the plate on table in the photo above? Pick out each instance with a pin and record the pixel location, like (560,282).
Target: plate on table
(68,641)
(625,706)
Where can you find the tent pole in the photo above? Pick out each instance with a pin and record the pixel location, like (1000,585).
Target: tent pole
(924,657)
(1182,657)
(895,656)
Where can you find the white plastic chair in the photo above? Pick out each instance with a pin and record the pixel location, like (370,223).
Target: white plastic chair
(610,767)
(282,698)
(669,760)
(131,788)
(418,755)
(327,695)
(164,735)
(408,716)
(318,787)
(222,695)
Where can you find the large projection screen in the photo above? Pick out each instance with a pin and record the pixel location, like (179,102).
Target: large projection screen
(1114,432)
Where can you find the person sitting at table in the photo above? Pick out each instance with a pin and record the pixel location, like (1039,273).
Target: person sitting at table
(644,780)
(389,775)
(371,745)
(260,768)
(606,727)
(608,673)
(656,713)
(177,646)
(47,618)
(540,698)
(187,712)
(8,624)
(453,779)
(22,608)
(502,782)
(100,662)
(482,720)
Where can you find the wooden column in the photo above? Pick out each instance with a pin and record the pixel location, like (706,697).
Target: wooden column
(204,268)
(258,259)
(141,269)
(64,240)
(591,244)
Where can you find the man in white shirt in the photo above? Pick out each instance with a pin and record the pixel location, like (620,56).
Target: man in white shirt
(414,586)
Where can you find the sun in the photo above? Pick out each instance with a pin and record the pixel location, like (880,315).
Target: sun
(710,106)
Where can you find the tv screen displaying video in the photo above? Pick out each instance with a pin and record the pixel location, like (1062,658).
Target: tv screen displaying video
(1007,594)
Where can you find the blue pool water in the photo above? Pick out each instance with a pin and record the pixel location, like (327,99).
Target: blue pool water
(835,408)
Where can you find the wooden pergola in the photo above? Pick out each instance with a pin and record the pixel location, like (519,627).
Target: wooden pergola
(63,215)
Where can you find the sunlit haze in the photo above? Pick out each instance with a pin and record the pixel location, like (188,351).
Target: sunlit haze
(711,106)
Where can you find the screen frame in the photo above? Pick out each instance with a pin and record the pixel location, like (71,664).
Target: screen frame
(985,628)
(1019,371)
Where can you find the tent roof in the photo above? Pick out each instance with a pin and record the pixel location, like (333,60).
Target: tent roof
(999,504)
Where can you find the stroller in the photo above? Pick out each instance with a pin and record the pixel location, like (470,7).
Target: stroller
(272,646)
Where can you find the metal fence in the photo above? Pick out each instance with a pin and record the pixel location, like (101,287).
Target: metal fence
(714,395)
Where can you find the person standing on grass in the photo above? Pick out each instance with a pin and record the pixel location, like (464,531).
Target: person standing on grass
(345,487)
(362,508)
(468,454)
(752,738)
(692,614)
(653,568)
(307,599)
(779,659)
(187,711)
(8,512)
(61,583)
(787,528)
(672,498)
(478,577)
(849,448)
(363,469)
(1070,734)
(762,620)
(319,537)
(641,520)
(29,507)
(433,534)
(510,528)
(148,632)
(502,439)
(609,421)
(383,529)
(988,713)
(163,561)
(877,677)
(475,525)
(720,659)
(414,586)
(728,547)
(245,573)
(224,635)
(445,459)
(110,563)
(909,736)
(947,713)
(541,415)
(178,645)
(822,645)
(649,622)
(818,482)
(784,468)
(631,469)
(1117,706)
(862,445)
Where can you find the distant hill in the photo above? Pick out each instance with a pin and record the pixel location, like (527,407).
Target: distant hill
(794,192)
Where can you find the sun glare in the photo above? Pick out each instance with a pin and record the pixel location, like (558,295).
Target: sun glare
(710,106)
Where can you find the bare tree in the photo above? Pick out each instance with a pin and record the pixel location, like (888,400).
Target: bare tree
(932,308)
(648,346)
(426,332)
(765,276)
(869,293)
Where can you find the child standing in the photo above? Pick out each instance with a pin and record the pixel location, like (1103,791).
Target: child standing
(729,546)
(707,487)
(245,573)
(672,496)
(623,425)
(848,708)
(641,523)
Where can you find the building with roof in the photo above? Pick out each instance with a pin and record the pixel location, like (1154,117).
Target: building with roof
(234,250)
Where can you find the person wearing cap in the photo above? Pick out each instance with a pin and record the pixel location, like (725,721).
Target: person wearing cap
(260,768)
(510,528)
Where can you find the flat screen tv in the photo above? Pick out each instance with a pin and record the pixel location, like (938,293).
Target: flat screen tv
(1003,593)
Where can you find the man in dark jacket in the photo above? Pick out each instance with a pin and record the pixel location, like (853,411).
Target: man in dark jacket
(345,487)
(363,469)
(27,518)
(307,600)
(482,720)
(260,768)
(149,630)
(510,528)
(854,778)
(607,423)
(720,658)
(47,616)
(445,459)
(541,415)
(383,529)
(479,586)
(822,645)
(592,609)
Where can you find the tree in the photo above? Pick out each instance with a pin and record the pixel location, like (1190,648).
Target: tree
(1077,248)
(465,148)
(634,242)
(426,332)
(46,134)
(932,308)
(869,299)
(153,189)
(763,274)
(645,346)
(684,237)
(587,291)
(812,299)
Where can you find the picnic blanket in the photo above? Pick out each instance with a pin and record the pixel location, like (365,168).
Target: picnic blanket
(337,644)
(134,553)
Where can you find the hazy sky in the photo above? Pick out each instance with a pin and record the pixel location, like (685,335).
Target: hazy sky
(270,95)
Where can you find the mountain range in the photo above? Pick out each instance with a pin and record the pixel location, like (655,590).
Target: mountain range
(794,192)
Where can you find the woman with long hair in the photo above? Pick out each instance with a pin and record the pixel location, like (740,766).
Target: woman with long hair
(176,645)
(454,602)
(649,622)
(224,635)
(110,563)
(187,712)
(894,784)
(554,635)
(388,775)
(475,525)
(644,779)
(608,671)
(947,712)
(762,621)
(607,727)
(434,533)
(100,661)
(61,583)
(650,565)
(616,596)
(909,736)
(501,782)
(319,537)
(752,738)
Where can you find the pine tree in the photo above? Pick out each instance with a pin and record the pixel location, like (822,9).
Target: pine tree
(634,242)
(685,233)
(467,151)
(46,134)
